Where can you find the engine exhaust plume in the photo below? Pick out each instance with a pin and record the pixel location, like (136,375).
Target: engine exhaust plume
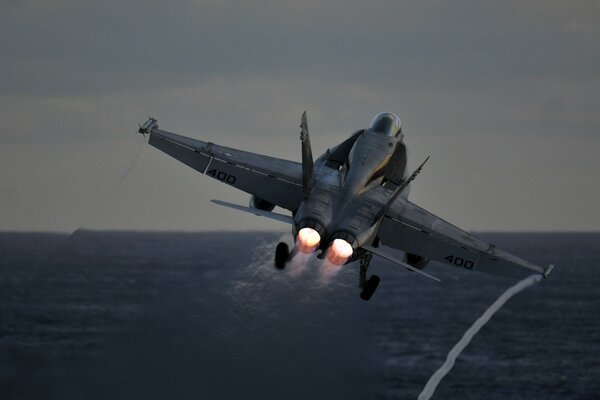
(339,252)
(327,272)
(307,240)
(298,263)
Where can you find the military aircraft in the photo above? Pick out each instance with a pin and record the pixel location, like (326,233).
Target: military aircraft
(347,205)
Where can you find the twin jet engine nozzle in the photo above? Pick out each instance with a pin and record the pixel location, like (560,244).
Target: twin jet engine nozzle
(338,252)
(307,240)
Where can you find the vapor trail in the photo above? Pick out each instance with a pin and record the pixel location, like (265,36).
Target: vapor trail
(124,175)
(92,213)
(435,379)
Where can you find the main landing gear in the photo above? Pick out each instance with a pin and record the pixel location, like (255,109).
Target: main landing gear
(368,286)
(282,255)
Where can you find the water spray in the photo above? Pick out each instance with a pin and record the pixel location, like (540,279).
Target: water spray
(327,271)
(298,263)
(436,378)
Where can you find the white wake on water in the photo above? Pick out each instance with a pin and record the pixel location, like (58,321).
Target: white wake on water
(436,378)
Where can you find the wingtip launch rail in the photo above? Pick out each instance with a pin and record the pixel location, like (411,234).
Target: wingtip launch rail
(150,124)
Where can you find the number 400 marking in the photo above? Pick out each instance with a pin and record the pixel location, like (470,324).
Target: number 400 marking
(460,262)
(222,176)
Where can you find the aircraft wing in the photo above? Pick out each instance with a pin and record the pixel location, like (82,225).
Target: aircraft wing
(411,228)
(272,179)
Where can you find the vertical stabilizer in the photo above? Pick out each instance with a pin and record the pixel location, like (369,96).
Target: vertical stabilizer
(399,190)
(308,175)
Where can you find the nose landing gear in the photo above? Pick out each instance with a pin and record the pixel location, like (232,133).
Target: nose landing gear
(368,286)
(282,255)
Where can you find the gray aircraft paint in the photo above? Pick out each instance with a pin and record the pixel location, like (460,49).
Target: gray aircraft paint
(350,197)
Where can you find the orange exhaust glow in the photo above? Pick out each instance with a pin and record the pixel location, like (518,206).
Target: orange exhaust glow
(307,240)
(339,252)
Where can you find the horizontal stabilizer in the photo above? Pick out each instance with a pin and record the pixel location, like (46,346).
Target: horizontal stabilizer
(393,259)
(261,213)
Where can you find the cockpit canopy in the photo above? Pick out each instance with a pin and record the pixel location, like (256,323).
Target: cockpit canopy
(387,124)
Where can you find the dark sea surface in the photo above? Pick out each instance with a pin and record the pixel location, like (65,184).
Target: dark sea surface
(126,315)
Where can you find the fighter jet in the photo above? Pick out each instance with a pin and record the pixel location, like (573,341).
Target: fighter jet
(347,205)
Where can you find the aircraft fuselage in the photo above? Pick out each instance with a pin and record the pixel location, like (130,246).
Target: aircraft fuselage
(348,195)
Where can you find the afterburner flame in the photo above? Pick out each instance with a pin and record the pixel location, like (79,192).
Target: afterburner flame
(339,252)
(307,240)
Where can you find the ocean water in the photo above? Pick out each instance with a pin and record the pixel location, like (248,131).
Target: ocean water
(101,315)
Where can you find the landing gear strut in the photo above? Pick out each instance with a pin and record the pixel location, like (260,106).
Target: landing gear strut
(282,254)
(368,286)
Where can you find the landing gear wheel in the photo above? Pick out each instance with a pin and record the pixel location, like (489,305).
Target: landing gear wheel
(282,253)
(370,288)
(364,267)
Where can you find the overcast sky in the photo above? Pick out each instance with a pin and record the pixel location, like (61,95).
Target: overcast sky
(504,96)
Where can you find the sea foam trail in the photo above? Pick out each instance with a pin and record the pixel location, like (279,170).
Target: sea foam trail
(436,378)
